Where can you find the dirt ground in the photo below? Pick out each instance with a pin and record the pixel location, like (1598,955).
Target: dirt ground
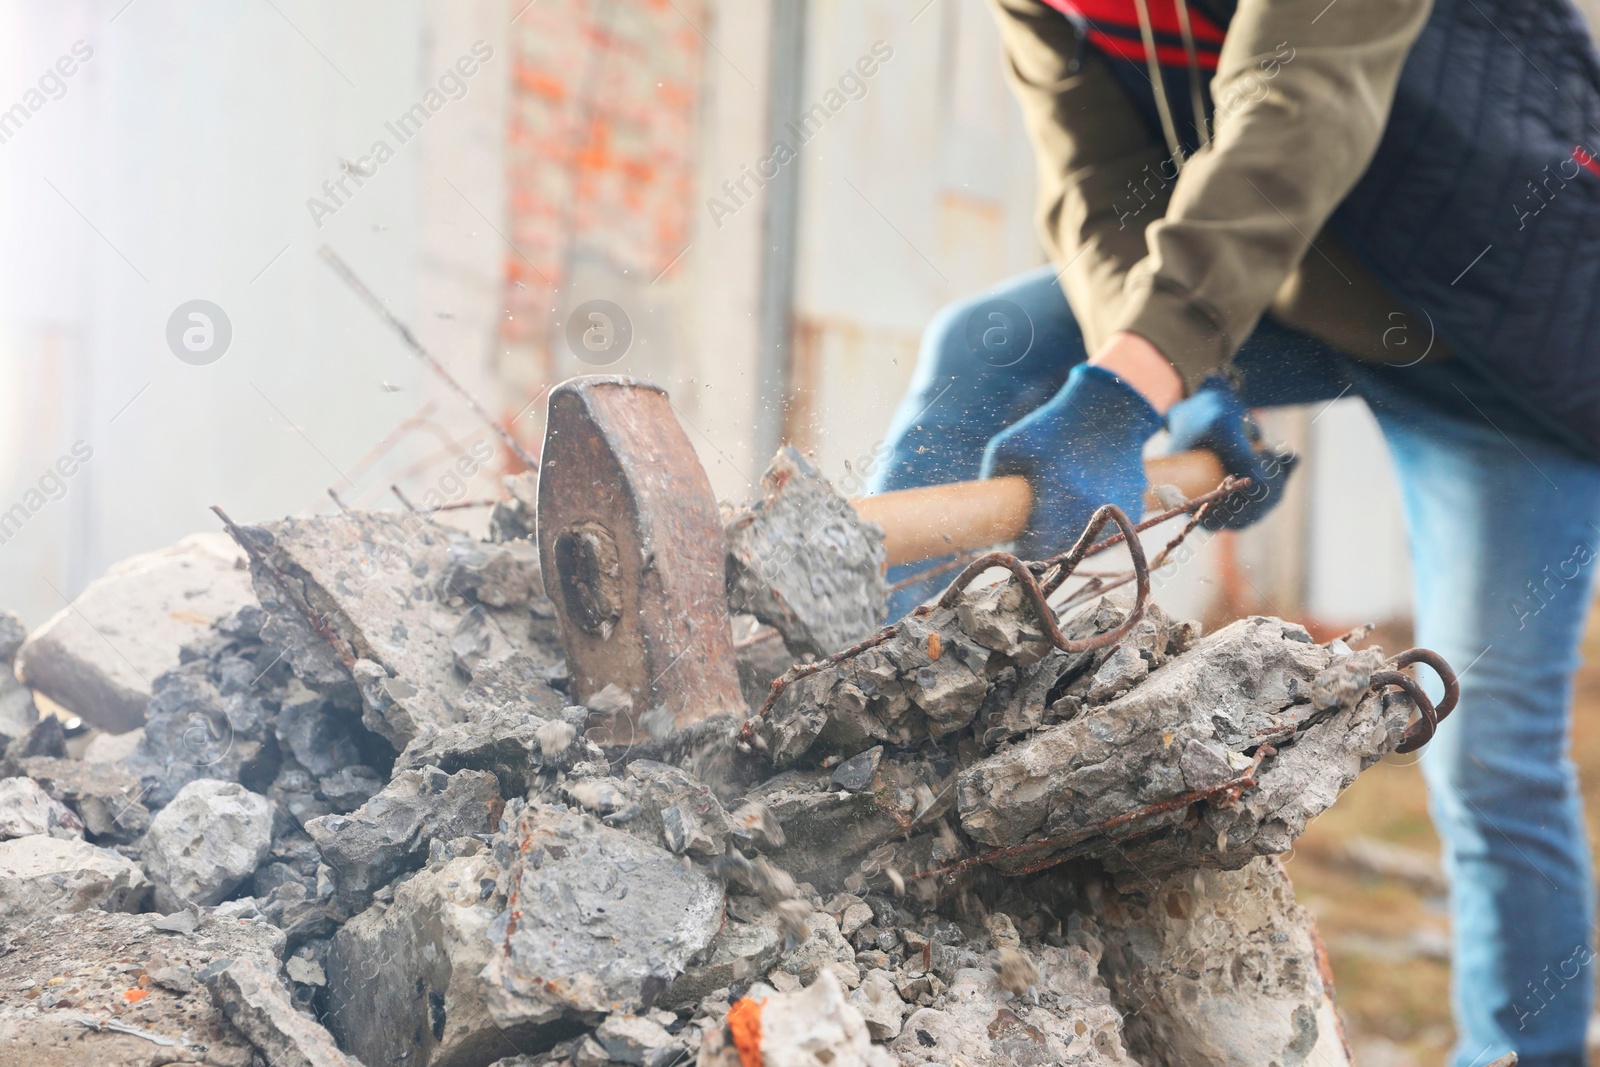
(1387,936)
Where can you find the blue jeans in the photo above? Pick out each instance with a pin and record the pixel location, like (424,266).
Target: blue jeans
(1503,529)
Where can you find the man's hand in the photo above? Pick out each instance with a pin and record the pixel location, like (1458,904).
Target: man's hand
(1083,448)
(1215,419)
(1141,364)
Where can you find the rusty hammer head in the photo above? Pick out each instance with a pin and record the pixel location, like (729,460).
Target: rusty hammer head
(633,556)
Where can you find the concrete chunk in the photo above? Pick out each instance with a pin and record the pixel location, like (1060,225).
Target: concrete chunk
(106,799)
(382,588)
(100,656)
(403,979)
(42,876)
(598,920)
(209,839)
(1181,733)
(391,832)
(803,562)
(255,1000)
(27,809)
(1221,967)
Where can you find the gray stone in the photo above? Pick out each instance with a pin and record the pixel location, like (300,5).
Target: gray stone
(320,741)
(740,952)
(880,1005)
(1224,967)
(688,814)
(206,721)
(378,585)
(603,921)
(42,876)
(105,798)
(829,833)
(802,561)
(926,680)
(209,839)
(255,1000)
(99,656)
(347,788)
(26,809)
(824,950)
(403,978)
(179,922)
(390,833)
(853,918)
(857,772)
(590,1053)
(514,742)
(304,971)
(635,1039)
(43,738)
(503,575)
(515,517)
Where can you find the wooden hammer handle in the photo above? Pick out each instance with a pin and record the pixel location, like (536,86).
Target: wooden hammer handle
(923,523)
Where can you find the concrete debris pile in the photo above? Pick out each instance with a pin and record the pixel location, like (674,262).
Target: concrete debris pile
(365,822)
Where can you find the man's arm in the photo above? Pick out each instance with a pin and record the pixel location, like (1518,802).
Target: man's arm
(1303,90)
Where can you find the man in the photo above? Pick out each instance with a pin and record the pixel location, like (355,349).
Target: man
(1286,201)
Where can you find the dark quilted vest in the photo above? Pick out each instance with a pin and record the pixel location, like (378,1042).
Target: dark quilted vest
(1481,208)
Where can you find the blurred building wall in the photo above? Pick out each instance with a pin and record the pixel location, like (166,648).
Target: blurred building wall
(601,152)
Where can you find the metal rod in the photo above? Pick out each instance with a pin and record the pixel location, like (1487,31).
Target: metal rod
(343,270)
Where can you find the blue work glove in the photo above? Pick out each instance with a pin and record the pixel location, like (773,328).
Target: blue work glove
(1083,448)
(1216,420)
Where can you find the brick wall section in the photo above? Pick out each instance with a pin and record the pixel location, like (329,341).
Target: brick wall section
(601,140)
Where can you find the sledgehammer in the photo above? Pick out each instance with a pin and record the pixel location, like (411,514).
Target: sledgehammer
(923,523)
(633,549)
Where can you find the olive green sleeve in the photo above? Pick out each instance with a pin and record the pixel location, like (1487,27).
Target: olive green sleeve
(1302,91)
(1099,166)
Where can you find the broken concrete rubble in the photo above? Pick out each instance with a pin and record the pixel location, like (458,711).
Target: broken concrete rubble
(253,998)
(106,799)
(99,656)
(41,875)
(644,914)
(802,561)
(957,844)
(26,809)
(391,832)
(114,991)
(404,983)
(1221,967)
(208,840)
(379,588)
(1235,709)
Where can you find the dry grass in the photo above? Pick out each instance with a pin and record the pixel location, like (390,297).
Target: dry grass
(1393,991)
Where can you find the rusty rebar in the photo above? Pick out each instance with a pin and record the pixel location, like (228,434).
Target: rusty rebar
(1037,594)
(428,359)
(1057,846)
(1420,732)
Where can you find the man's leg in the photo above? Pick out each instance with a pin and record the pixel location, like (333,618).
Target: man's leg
(984,364)
(1503,539)
(981,368)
